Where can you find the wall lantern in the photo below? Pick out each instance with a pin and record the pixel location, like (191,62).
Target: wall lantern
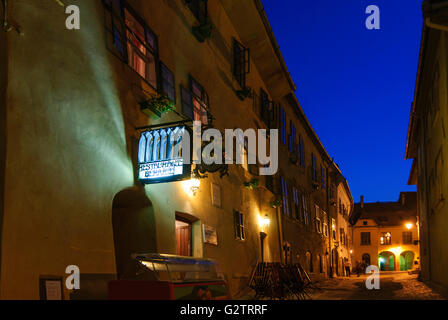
(408,226)
(264,222)
(191,186)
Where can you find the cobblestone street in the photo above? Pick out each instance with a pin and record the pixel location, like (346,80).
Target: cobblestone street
(393,286)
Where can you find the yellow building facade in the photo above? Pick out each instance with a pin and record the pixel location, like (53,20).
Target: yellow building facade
(427,143)
(75,105)
(385,234)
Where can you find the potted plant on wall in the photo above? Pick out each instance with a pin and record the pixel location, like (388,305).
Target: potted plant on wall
(252,184)
(277,203)
(203,31)
(157,105)
(244,93)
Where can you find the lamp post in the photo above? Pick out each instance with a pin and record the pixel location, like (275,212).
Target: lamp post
(264,223)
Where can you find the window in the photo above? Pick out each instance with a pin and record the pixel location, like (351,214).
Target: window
(407,237)
(306,215)
(301,152)
(241,63)
(325,224)
(365,238)
(244,152)
(240,233)
(195,102)
(318,221)
(314,167)
(285,196)
(265,107)
(323,177)
(168,86)
(140,43)
(292,137)
(332,193)
(282,125)
(333,229)
(385,238)
(130,39)
(295,196)
(199,9)
(115,28)
(342,236)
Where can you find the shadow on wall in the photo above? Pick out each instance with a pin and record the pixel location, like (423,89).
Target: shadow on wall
(134,229)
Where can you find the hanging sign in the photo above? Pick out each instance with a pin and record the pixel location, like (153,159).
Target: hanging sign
(164,155)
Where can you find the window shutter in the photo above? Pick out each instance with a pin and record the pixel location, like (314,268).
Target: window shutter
(236,218)
(168,82)
(187,103)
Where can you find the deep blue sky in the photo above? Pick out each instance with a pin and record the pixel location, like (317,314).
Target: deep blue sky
(355,85)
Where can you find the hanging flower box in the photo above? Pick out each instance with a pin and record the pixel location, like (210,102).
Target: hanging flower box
(275,204)
(253,184)
(157,105)
(244,93)
(203,31)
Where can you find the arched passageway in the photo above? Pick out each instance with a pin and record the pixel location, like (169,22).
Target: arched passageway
(406,260)
(386,261)
(133,228)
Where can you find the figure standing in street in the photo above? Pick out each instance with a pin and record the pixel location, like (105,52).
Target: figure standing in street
(347,267)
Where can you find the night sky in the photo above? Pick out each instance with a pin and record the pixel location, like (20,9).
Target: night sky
(355,85)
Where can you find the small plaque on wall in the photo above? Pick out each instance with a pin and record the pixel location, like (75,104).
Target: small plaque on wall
(51,288)
(216,195)
(209,235)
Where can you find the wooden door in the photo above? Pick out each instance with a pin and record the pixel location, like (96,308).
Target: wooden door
(183,238)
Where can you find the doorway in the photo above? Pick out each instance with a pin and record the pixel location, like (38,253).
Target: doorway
(183,237)
(386,261)
(406,260)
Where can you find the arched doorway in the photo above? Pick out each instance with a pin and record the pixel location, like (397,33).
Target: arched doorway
(386,261)
(366,258)
(406,260)
(133,228)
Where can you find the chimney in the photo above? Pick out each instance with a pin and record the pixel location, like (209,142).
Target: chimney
(362,202)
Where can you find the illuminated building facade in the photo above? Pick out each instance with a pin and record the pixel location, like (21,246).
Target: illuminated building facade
(88,165)
(386,234)
(427,140)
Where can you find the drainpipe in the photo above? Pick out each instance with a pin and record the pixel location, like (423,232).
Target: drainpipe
(280,234)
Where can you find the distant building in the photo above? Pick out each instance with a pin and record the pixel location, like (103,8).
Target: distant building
(386,234)
(427,142)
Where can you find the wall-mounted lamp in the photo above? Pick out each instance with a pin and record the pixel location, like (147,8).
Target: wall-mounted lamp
(263,222)
(191,186)
(408,226)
